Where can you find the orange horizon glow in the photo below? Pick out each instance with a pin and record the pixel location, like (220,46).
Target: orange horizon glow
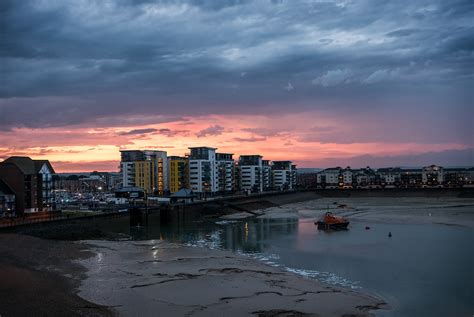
(285,137)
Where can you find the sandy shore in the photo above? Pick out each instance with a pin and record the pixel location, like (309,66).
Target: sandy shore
(37,278)
(142,278)
(131,278)
(149,278)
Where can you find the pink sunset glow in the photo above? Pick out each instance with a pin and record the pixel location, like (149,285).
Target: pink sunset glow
(293,136)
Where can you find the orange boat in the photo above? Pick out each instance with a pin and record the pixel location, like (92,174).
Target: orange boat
(332,222)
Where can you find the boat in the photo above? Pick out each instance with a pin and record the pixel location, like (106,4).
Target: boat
(333,222)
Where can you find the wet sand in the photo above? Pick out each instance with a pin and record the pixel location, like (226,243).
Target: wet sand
(142,278)
(130,278)
(37,278)
(145,278)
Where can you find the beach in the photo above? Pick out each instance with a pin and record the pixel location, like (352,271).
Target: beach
(225,266)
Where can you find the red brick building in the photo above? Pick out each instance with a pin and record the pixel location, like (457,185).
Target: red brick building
(30,180)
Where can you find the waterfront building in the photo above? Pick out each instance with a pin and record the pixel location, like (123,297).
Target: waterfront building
(328,178)
(203,175)
(390,176)
(411,178)
(267,175)
(283,175)
(178,173)
(432,175)
(345,178)
(225,172)
(31,181)
(458,177)
(306,179)
(361,178)
(251,173)
(145,169)
(7,199)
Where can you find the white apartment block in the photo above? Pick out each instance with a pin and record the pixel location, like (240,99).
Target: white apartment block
(267,175)
(347,178)
(251,173)
(283,175)
(329,178)
(225,172)
(203,170)
(127,171)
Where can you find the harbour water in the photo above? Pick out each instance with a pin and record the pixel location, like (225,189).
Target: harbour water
(421,270)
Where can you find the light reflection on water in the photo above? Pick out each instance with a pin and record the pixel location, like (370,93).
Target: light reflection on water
(422,270)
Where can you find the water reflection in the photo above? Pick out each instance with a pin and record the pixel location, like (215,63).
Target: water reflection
(426,268)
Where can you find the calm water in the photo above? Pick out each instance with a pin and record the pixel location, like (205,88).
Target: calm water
(422,270)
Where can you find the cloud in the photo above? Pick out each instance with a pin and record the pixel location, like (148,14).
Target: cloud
(211,131)
(172,133)
(443,158)
(401,32)
(289,87)
(266,132)
(129,64)
(333,78)
(138,131)
(252,139)
(382,75)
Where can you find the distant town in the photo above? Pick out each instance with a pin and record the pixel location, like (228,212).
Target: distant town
(29,186)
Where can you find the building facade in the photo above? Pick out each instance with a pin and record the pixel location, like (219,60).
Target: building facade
(31,181)
(283,175)
(432,175)
(267,175)
(203,175)
(251,173)
(225,172)
(178,173)
(7,199)
(145,169)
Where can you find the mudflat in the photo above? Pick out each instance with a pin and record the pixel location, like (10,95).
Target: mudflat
(149,278)
(38,278)
(143,278)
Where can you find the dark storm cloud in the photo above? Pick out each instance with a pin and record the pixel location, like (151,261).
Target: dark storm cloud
(97,61)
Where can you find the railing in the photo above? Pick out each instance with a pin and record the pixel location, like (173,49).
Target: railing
(43,217)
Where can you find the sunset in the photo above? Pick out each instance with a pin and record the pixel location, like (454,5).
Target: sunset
(259,158)
(390,85)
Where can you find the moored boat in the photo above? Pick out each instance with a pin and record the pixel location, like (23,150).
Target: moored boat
(330,221)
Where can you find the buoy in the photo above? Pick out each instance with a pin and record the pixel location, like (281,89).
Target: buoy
(389,234)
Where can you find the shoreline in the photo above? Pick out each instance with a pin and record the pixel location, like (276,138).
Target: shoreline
(67,271)
(39,278)
(154,275)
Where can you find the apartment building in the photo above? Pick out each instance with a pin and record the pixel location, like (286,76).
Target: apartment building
(283,175)
(390,176)
(267,175)
(251,173)
(432,175)
(178,173)
(31,181)
(7,199)
(145,169)
(328,178)
(225,172)
(203,174)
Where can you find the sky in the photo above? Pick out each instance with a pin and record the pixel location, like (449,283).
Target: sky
(322,83)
